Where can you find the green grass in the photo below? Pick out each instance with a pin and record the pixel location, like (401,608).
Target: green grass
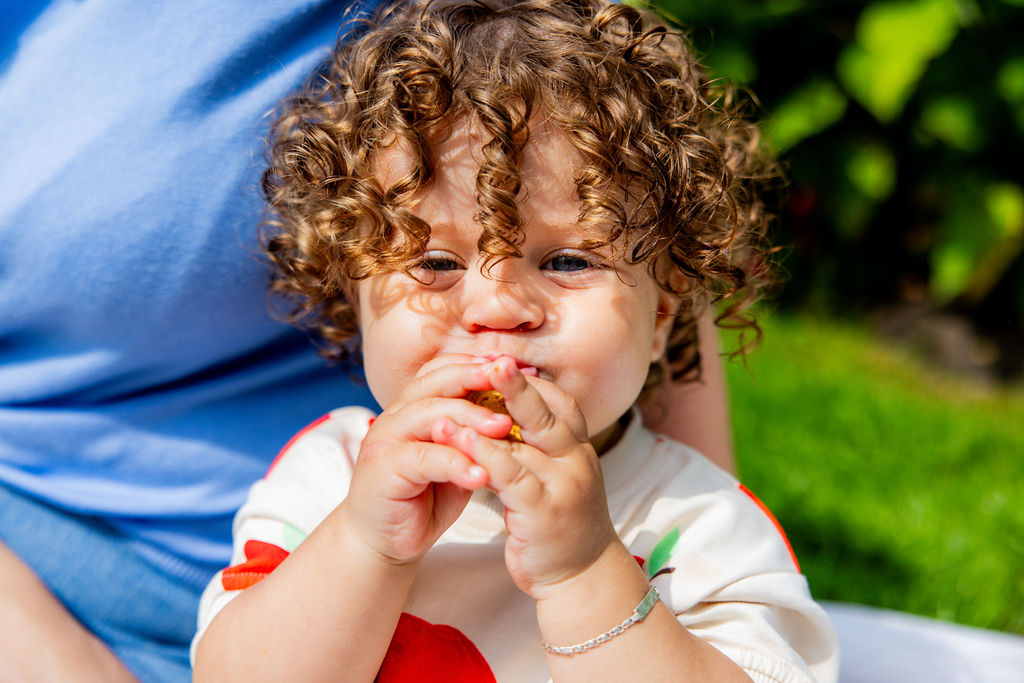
(898,488)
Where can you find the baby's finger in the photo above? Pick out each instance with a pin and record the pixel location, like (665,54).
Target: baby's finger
(415,421)
(420,464)
(507,465)
(548,417)
(447,359)
(447,376)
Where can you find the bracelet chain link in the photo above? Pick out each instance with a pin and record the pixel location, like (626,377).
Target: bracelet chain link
(637,616)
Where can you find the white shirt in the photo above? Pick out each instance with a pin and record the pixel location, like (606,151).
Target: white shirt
(726,571)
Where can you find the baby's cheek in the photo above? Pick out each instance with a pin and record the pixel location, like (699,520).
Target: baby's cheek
(609,392)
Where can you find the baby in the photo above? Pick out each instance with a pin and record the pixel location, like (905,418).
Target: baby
(534,198)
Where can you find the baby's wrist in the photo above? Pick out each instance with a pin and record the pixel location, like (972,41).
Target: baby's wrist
(350,540)
(613,562)
(592,602)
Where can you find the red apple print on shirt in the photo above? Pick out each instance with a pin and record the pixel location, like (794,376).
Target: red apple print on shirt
(432,653)
(420,652)
(260,559)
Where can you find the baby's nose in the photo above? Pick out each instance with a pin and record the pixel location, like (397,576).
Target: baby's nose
(500,300)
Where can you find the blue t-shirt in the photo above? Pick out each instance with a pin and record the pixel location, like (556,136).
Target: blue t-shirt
(142,379)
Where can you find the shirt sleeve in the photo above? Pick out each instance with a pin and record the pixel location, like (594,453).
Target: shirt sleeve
(307,480)
(723,565)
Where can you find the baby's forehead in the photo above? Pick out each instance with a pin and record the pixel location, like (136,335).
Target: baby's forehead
(459,150)
(392,162)
(546,174)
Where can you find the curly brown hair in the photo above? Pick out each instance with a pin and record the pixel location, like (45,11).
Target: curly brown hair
(669,166)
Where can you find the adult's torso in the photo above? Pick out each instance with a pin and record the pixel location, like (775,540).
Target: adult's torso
(141,377)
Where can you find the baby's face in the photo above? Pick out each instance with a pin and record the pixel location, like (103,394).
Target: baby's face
(563,311)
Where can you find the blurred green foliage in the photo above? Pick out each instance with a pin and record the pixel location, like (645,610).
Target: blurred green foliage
(901,127)
(900,124)
(898,487)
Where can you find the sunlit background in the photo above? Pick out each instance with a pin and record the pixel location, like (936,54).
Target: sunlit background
(883,417)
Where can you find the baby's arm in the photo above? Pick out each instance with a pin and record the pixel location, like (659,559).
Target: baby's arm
(658,648)
(330,609)
(563,551)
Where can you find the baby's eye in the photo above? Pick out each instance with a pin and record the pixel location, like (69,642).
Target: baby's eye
(568,263)
(437,269)
(437,262)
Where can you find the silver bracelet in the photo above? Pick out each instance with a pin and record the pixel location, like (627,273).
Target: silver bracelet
(641,611)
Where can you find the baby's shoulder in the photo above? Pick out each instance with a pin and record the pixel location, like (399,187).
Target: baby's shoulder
(311,474)
(668,467)
(687,494)
(330,440)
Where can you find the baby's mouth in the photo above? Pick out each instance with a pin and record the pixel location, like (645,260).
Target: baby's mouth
(528,370)
(523,366)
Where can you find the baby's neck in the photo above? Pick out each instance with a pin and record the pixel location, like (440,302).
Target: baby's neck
(609,436)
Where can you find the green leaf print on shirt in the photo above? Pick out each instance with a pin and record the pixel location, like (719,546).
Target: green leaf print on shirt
(662,551)
(292,536)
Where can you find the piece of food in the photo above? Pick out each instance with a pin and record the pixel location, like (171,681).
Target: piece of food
(495,402)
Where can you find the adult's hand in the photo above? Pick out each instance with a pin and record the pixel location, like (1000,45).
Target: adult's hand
(40,640)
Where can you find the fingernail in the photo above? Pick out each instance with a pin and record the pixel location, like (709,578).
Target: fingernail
(498,419)
(506,365)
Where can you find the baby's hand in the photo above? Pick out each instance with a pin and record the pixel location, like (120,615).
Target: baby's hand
(551,485)
(406,490)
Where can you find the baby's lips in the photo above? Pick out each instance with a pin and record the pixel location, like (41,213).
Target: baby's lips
(495,402)
(522,366)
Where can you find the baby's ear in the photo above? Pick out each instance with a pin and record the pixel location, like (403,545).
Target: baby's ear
(668,308)
(669,303)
